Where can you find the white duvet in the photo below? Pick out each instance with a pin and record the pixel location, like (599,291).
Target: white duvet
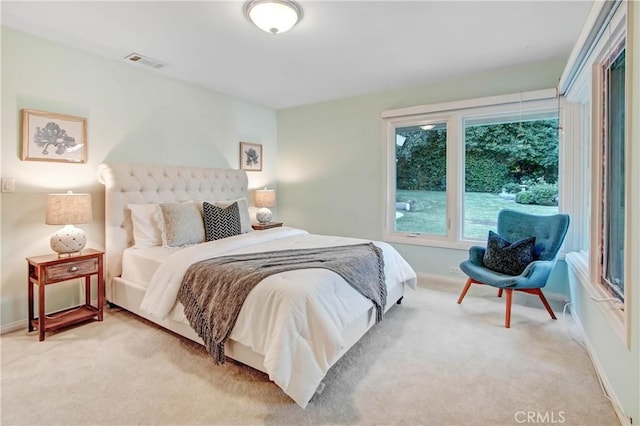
(294,319)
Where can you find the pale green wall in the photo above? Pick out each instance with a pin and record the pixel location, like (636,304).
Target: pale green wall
(331,158)
(133,114)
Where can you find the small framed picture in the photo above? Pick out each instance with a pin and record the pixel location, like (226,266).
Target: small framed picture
(47,136)
(250,156)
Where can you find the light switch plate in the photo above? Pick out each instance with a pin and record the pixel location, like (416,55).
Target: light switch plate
(8,185)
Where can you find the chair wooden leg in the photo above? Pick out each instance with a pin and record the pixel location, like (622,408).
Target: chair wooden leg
(465,290)
(500,292)
(507,318)
(545,303)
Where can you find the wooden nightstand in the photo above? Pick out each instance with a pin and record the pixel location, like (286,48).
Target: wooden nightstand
(51,269)
(261,226)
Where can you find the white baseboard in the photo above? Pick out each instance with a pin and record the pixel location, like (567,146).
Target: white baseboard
(14,326)
(433,278)
(611,395)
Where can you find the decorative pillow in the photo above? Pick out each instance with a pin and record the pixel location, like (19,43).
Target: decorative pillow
(146,230)
(508,258)
(221,222)
(243,208)
(182,224)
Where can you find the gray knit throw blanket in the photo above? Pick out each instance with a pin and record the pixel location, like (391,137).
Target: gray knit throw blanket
(214,290)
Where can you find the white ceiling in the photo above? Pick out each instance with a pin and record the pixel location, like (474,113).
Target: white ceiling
(339,49)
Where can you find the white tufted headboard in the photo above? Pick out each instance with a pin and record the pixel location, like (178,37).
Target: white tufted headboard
(137,183)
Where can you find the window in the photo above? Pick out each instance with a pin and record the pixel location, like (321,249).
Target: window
(421,179)
(612,213)
(596,88)
(454,167)
(511,161)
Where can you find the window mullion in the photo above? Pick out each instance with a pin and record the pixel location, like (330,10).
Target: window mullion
(455,180)
(389,129)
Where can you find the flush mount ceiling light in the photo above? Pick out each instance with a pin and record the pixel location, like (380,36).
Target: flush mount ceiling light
(273,16)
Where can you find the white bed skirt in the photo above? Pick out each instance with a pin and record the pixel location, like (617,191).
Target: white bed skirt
(128,295)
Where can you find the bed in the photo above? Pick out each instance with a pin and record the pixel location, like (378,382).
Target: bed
(293,326)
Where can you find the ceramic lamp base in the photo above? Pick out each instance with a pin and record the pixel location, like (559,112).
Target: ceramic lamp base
(68,240)
(264,215)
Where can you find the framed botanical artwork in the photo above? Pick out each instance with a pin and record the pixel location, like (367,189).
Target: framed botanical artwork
(250,156)
(47,136)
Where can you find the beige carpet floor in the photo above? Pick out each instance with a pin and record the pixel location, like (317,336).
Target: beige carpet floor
(430,361)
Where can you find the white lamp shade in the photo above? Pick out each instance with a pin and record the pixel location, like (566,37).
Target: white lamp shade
(265,198)
(69,208)
(273,16)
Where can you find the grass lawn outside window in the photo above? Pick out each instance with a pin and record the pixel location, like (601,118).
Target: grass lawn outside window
(429,207)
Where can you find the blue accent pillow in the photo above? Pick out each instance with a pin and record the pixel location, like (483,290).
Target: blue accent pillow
(506,257)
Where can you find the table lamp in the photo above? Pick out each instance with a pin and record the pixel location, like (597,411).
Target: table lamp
(68,209)
(265,198)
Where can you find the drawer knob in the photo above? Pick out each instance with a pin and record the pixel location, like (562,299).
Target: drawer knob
(73,268)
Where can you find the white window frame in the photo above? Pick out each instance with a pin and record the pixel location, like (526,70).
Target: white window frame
(584,96)
(453,113)
(576,201)
(615,312)
(392,125)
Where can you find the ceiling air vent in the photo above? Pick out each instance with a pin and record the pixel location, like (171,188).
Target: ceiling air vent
(145,60)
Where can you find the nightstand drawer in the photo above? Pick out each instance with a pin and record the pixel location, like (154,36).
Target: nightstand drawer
(71,270)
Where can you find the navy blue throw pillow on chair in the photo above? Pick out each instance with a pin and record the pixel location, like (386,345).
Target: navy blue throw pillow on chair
(506,257)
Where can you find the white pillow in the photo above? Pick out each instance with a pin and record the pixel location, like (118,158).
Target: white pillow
(243,208)
(182,224)
(146,230)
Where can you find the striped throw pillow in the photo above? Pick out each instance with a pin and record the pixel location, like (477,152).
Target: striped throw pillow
(220,222)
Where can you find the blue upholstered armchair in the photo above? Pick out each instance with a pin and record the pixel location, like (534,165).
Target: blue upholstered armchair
(513,226)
